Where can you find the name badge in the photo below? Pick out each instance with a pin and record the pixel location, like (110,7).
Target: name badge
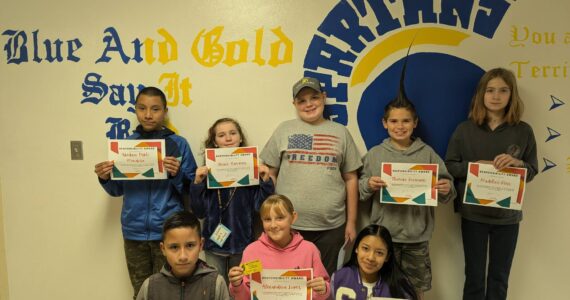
(220,235)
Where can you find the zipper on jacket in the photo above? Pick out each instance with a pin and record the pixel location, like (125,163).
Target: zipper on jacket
(182,283)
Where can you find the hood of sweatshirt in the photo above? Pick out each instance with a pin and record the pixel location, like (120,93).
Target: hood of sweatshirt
(295,242)
(201,269)
(417,145)
(156,134)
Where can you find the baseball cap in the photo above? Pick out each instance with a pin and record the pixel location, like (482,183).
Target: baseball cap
(304,82)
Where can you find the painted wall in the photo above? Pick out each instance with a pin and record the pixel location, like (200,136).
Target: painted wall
(239,59)
(3,271)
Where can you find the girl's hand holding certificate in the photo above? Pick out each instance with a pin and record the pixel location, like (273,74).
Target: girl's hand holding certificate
(201,174)
(235,275)
(502,161)
(505,160)
(318,285)
(263,172)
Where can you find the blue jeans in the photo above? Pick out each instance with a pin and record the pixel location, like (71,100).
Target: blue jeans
(500,241)
(222,263)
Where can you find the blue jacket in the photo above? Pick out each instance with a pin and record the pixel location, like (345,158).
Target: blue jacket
(238,216)
(147,203)
(347,285)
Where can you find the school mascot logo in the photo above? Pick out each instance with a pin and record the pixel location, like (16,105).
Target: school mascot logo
(358,52)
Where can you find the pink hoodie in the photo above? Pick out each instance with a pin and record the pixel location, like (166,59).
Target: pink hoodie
(299,254)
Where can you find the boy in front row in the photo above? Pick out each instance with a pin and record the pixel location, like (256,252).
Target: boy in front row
(184,276)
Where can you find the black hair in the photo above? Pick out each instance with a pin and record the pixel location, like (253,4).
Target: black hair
(152,91)
(391,273)
(181,219)
(401,100)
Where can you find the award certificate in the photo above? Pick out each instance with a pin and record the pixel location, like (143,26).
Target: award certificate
(409,184)
(487,186)
(278,284)
(232,167)
(137,159)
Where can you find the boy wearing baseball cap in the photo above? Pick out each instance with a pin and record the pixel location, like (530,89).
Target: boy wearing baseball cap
(315,162)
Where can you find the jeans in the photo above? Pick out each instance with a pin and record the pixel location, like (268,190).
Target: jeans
(222,263)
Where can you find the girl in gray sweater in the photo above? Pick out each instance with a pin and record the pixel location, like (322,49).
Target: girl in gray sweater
(494,134)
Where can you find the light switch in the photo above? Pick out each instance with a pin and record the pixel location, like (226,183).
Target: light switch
(76,150)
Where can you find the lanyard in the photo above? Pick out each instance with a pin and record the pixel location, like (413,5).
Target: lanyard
(222,209)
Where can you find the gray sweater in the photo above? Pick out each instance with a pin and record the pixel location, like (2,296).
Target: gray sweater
(406,223)
(471,143)
(204,283)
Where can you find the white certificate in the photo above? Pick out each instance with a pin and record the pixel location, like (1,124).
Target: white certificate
(232,167)
(409,184)
(487,186)
(137,159)
(281,284)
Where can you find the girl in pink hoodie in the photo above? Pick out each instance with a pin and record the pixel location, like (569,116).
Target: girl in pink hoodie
(279,247)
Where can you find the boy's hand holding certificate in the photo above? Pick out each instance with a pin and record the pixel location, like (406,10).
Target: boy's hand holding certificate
(232,167)
(487,186)
(137,159)
(410,184)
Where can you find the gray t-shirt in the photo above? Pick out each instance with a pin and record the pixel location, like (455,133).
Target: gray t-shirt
(311,160)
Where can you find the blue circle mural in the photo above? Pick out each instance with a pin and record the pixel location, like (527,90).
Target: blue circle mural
(440,86)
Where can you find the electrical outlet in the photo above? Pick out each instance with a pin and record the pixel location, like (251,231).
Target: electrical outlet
(76,150)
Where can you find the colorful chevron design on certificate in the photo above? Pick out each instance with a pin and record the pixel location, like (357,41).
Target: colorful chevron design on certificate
(137,159)
(232,167)
(267,284)
(409,184)
(487,186)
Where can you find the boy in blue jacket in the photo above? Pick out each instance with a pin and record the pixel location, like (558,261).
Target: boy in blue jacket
(147,203)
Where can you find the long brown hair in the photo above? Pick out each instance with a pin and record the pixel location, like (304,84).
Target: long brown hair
(513,110)
(210,141)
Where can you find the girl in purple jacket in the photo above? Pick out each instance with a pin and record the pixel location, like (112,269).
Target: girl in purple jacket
(372,270)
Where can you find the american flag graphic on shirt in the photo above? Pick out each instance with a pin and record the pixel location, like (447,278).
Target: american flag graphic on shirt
(313,149)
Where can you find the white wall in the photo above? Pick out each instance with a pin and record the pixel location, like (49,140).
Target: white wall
(62,232)
(3,272)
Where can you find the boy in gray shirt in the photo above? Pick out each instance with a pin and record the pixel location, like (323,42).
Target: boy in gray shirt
(315,162)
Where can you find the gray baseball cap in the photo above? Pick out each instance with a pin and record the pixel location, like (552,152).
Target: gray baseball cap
(309,82)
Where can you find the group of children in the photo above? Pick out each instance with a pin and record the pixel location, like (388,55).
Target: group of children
(307,201)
